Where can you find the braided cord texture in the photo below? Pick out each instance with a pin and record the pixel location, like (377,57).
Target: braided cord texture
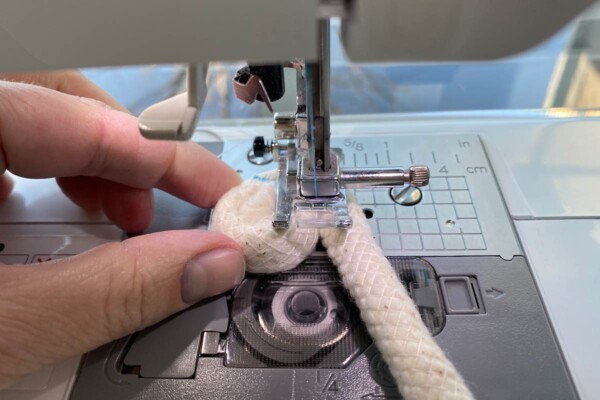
(245,214)
(418,365)
(416,362)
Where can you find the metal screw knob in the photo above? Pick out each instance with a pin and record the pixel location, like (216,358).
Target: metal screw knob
(285,124)
(418,175)
(260,153)
(259,146)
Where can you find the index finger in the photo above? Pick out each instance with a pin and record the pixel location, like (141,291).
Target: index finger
(65,81)
(44,133)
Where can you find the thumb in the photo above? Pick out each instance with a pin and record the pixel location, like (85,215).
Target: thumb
(55,310)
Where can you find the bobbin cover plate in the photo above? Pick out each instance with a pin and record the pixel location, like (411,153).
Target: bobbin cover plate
(302,318)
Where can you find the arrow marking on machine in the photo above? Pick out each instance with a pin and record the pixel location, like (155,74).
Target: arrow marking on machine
(494,293)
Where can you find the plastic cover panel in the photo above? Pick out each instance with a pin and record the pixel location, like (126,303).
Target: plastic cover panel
(304,318)
(432,30)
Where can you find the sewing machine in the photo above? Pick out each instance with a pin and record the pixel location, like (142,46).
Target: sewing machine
(494,229)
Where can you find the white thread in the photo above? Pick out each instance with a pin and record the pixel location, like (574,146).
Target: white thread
(417,363)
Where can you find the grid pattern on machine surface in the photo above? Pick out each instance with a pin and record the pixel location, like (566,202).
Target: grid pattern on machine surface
(446,219)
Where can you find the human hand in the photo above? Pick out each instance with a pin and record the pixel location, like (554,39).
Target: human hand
(49,312)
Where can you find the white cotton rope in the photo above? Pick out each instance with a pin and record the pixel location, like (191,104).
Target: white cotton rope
(416,362)
(245,214)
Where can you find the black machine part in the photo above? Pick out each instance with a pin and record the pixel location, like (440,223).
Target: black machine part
(492,345)
(270,75)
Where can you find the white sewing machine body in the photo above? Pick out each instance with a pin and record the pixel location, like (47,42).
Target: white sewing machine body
(500,255)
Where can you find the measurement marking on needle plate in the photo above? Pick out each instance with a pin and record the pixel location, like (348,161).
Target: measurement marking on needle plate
(331,385)
(411,158)
(387,153)
(366,159)
(377,158)
(457,159)
(464,144)
(433,156)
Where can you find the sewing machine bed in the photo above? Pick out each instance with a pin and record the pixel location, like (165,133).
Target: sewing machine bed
(479,256)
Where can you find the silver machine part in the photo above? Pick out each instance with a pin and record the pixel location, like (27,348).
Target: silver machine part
(408,196)
(416,176)
(458,213)
(311,183)
(320,87)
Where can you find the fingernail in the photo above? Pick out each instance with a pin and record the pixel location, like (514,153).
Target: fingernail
(211,273)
